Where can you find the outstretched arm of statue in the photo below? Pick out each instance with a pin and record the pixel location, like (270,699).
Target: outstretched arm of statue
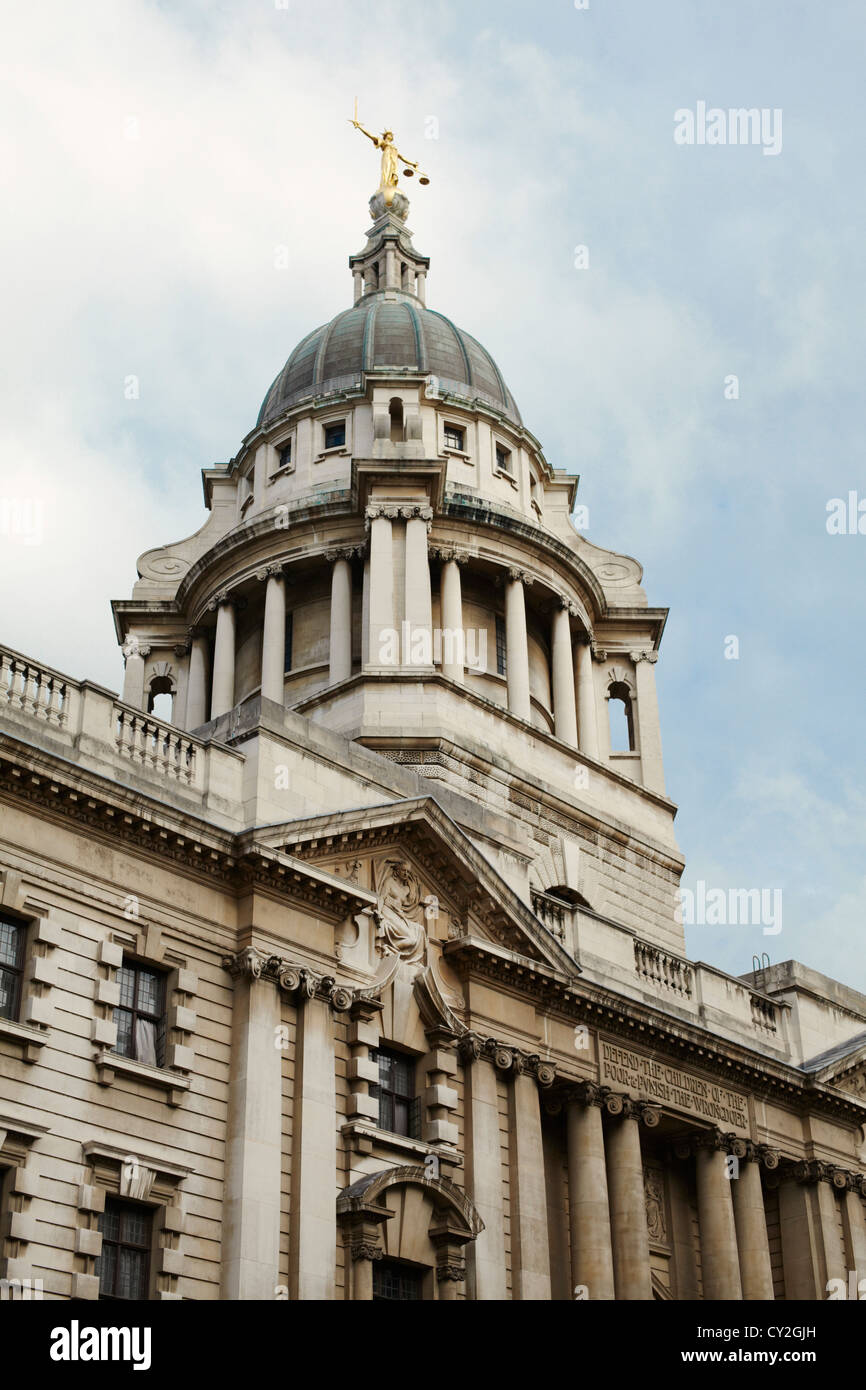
(403,160)
(364,131)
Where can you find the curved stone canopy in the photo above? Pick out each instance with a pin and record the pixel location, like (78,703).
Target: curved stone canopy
(388,330)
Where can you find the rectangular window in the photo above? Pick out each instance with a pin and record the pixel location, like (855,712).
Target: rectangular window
(335,435)
(140,1016)
(11,965)
(500,647)
(503,459)
(290,633)
(454,437)
(123,1267)
(399,1108)
(395,1282)
(286,455)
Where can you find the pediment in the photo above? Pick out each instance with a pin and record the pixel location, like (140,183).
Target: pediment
(447,881)
(843,1067)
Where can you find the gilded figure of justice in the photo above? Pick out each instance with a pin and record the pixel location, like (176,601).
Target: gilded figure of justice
(392,159)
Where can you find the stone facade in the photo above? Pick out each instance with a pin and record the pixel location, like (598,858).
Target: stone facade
(424,1025)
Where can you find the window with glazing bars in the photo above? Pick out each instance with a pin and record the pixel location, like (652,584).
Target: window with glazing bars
(124,1265)
(335,435)
(140,1015)
(500,647)
(395,1282)
(453,437)
(399,1107)
(11,965)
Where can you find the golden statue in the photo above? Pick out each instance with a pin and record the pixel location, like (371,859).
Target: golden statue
(391,160)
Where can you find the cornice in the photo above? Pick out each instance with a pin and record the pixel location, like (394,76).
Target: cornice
(647,1030)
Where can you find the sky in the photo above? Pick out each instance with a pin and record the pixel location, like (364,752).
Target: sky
(182,190)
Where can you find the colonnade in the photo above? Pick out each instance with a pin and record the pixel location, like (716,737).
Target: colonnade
(398,599)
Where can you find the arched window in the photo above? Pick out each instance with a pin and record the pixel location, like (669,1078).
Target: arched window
(395,410)
(621,718)
(160,699)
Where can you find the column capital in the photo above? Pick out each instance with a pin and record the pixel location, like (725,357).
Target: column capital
(196,631)
(225,599)
(181,648)
(344,552)
(599,653)
(132,647)
(636,656)
(564,602)
(815,1170)
(366,1250)
(446,553)
(272,571)
(517,575)
(289,976)
(505,1058)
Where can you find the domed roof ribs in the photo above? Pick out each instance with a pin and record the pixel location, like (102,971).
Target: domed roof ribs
(420,343)
(318,369)
(459,340)
(507,399)
(368,347)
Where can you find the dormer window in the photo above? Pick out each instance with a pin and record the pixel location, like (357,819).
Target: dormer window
(335,435)
(455,438)
(503,460)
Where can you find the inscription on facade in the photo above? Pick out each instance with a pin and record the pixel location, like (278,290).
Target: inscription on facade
(643,1077)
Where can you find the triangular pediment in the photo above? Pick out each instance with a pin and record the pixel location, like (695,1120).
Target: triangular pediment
(843,1066)
(469,898)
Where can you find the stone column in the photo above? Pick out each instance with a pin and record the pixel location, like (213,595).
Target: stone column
(517,648)
(381,583)
(197,681)
(421,285)
(451,619)
(418,602)
(756,1274)
(312,1246)
(628,1228)
(855,1230)
(720,1262)
(530,1253)
(223,688)
(835,1265)
(485,1257)
(274,635)
(591,1250)
(251,1221)
(341,616)
(799,1243)
(648,726)
(562,675)
(133,672)
(587,722)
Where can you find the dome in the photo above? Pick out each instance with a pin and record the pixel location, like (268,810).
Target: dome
(383,332)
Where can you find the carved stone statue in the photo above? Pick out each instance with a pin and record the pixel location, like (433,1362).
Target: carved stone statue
(399,912)
(655,1207)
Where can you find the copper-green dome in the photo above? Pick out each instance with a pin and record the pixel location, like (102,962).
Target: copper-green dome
(388,331)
